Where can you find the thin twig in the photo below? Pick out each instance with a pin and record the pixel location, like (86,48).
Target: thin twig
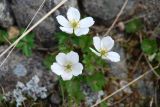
(34,26)
(117,17)
(140,37)
(7,40)
(151,102)
(151,66)
(122,99)
(40,7)
(130,83)
(137,63)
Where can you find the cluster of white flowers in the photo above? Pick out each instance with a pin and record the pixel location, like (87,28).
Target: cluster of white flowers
(68,65)
(31,89)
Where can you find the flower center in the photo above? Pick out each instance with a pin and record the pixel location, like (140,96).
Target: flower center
(74,24)
(103,52)
(68,68)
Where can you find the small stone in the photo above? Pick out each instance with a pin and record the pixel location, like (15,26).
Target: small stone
(55,99)
(121,26)
(6,19)
(20,70)
(127,89)
(13,32)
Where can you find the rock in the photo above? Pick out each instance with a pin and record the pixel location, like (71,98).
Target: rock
(20,68)
(127,89)
(24,10)
(6,19)
(107,10)
(119,69)
(55,99)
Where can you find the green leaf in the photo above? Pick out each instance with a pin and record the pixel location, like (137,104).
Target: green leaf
(73,89)
(103,104)
(26,44)
(96,81)
(133,26)
(48,61)
(1,98)
(149,46)
(27,50)
(158,56)
(3,35)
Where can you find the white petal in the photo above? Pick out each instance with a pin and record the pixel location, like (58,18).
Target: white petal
(98,54)
(67,30)
(81,31)
(97,43)
(113,56)
(57,69)
(73,57)
(66,76)
(73,14)
(61,58)
(86,22)
(63,21)
(107,43)
(77,69)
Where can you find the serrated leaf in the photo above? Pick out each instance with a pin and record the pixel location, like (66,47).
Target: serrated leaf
(149,46)
(27,50)
(1,98)
(73,88)
(158,56)
(103,104)
(48,61)
(3,35)
(96,81)
(26,44)
(133,26)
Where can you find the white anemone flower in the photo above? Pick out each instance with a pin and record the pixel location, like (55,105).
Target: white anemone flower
(67,65)
(103,48)
(73,24)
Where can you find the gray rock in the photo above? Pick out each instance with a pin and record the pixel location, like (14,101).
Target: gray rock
(55,99)
(119,69)
(6,19)
(32,65)
(107,10)
(24,10)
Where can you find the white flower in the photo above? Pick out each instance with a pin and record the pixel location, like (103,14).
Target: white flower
(73,22)
(67,65)
(103,47)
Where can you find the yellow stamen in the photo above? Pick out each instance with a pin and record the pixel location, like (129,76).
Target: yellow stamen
(68,68)
(103,52)
(74,24)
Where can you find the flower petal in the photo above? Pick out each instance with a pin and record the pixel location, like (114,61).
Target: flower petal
(73,14)
(98,54)
(77,69)
(61,59)
(66,76)
(67,30)
(107,43)
(97,43)
(86,22)
(72,57)
(113,56)
(57,69)
(63,21)
(81,31)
